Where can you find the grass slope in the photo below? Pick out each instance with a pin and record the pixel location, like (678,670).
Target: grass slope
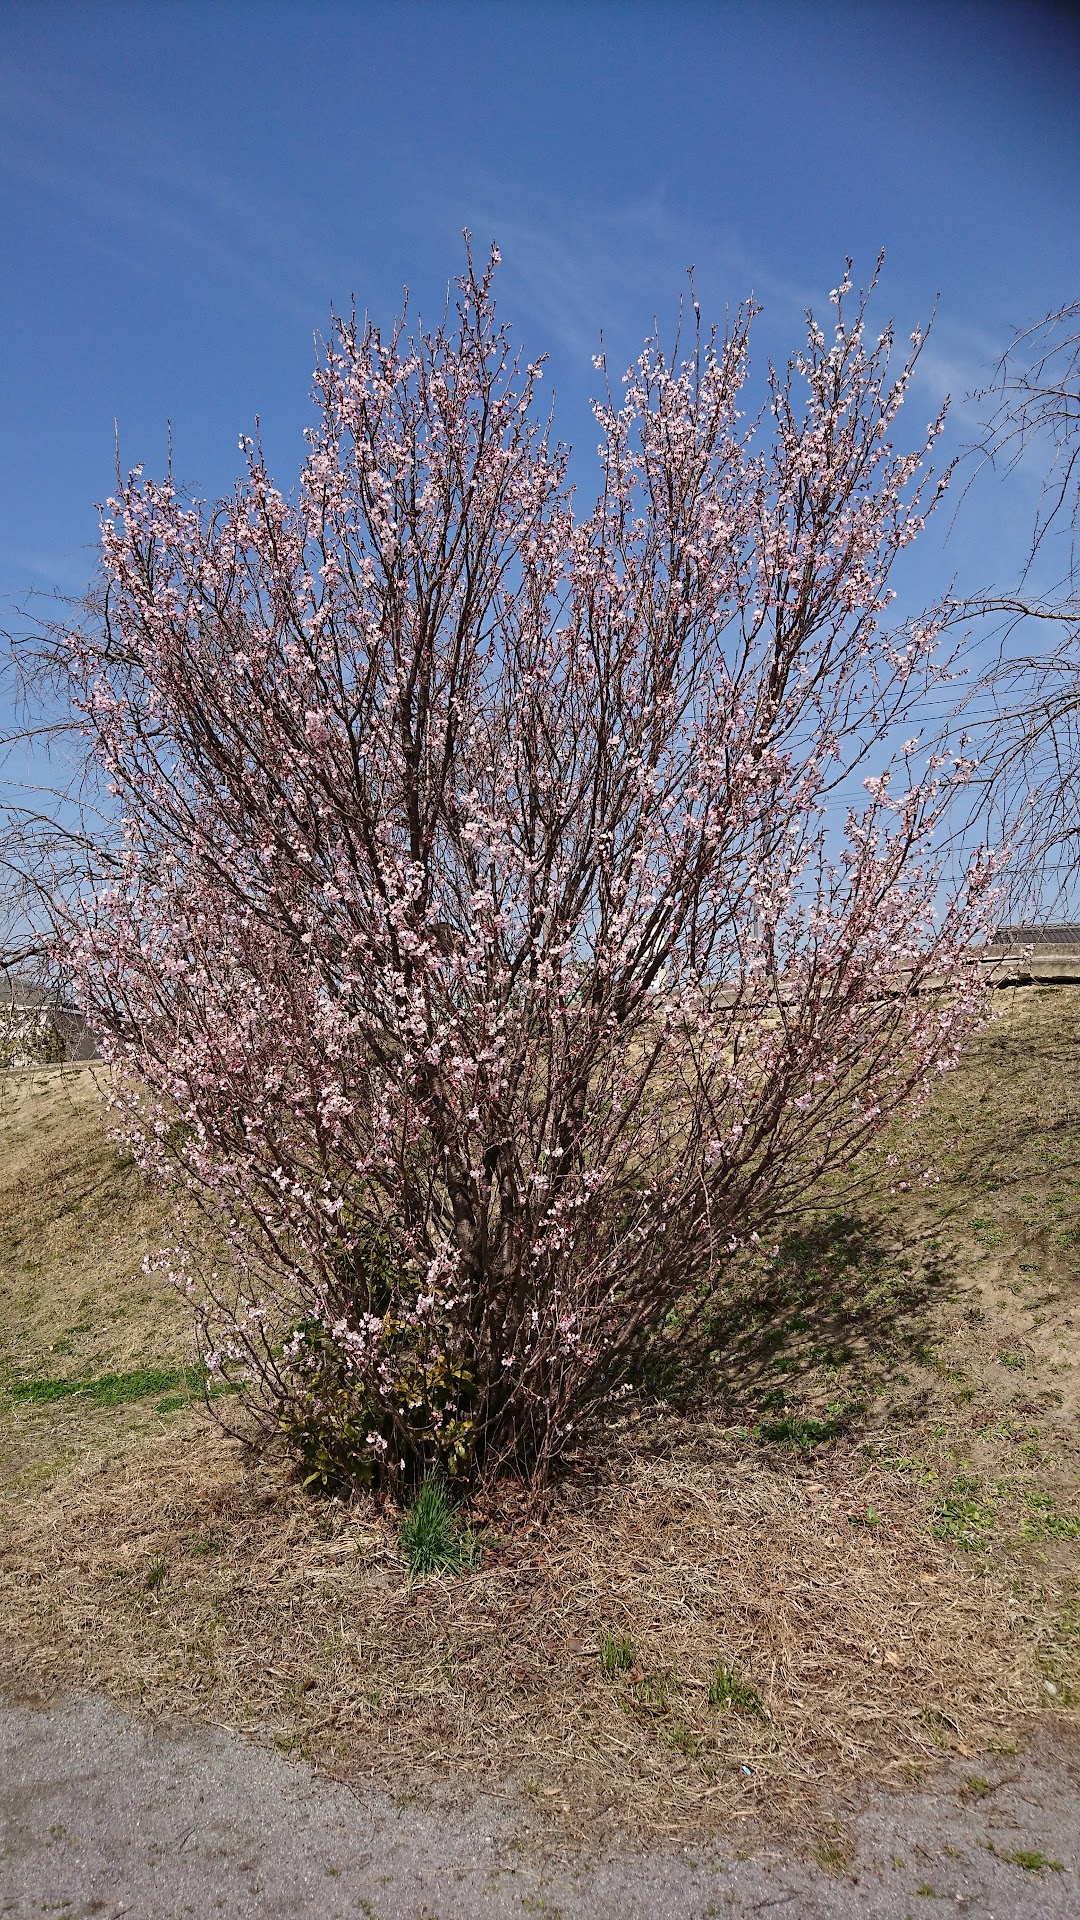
(841,1543)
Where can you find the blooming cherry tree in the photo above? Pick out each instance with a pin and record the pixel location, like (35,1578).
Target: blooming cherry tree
(486,952)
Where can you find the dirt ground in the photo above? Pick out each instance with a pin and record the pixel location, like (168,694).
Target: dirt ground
(836,1552)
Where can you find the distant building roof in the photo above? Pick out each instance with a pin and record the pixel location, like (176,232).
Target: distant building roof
(24,996)
(21,993)
(1032,934)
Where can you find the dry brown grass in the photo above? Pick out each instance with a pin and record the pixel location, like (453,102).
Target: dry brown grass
(75,1223)
(899,1593)
(177,1577)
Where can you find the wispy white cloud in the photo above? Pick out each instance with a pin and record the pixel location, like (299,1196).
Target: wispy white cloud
(956,363)
(135,199)
(577,269)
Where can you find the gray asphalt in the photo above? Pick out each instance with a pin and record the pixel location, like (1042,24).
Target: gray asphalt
(109,1816)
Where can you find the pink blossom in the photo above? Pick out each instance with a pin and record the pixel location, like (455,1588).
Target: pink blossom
(477,957)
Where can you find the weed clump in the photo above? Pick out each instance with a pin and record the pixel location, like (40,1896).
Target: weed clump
(1042,1520)
(432,1538)
(964,1515)
(729,1690)
(617,1653)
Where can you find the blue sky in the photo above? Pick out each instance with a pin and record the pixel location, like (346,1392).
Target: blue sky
(187,190)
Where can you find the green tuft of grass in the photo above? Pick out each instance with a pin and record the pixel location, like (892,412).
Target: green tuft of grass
(683,1740)
(432,1538)
(617,1653)
(940,1726)
(654,1691)
(975,1786)
(833,1852)
(156,1574)
(728,1689)
(799,1432)
(1032,1859)
(209,1543)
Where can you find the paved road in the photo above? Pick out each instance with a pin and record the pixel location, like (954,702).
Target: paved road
(105,1816)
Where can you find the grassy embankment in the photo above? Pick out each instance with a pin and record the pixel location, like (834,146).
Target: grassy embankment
(846,1546)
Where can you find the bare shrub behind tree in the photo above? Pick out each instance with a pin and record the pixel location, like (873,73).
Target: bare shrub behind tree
(1025,708)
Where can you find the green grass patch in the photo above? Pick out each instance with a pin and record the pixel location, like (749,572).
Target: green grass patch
(964,1515)
(919,1471)
(988,1233)
(731,1691)
(432,1538)
(181,1384)
(1042,1521)
(1032,1859)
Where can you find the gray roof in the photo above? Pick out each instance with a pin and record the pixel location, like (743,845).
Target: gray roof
(1063,933)
(26,995)
(21,993)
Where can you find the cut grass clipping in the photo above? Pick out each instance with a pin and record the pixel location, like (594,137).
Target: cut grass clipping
(432,1538)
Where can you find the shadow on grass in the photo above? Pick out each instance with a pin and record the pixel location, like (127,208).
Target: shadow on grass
(796,1347)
